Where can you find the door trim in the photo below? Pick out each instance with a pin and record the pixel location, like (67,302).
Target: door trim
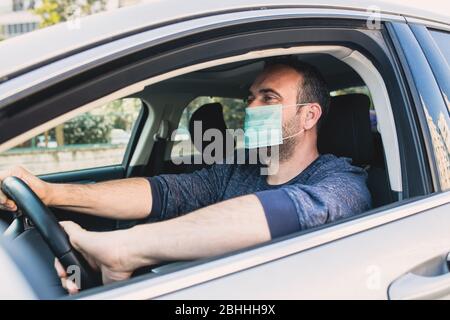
(151,286)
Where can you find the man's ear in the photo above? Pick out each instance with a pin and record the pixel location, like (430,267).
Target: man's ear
(313,114)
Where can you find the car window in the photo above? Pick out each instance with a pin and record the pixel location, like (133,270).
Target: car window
(93,139)
(233,113)
(438,120)
(442,40)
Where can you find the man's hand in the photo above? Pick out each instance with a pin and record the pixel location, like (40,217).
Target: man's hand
(220,228)
(40,187)
(109,199)
(104,251)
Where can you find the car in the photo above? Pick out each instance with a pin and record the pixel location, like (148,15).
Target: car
(387,65)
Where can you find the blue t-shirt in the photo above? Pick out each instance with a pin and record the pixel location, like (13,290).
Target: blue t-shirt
(330,188)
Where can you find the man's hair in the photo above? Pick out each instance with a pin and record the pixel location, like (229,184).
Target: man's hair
(313,88)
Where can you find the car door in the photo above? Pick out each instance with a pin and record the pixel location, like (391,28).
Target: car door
(400,253)
(397,252)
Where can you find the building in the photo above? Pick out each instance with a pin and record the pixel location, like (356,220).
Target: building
(124,3)
(17,18)
(444,130)
(441,143)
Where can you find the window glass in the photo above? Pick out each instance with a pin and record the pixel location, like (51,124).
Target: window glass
(442,40)
(439,120)
(94,139)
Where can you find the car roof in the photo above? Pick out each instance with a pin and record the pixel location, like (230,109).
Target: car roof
(234,79)
(42,45)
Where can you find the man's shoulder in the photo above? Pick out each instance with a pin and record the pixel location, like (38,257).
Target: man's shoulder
(236,168)
(338,163)
(329,164)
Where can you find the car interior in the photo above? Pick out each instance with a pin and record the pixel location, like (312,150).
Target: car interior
(350,130)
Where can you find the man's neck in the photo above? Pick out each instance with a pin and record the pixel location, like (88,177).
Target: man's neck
(299,161)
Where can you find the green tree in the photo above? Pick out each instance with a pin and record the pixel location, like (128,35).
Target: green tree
(87,129)
(122,113)
(56,11)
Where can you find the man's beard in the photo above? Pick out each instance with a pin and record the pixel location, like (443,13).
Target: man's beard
(287,148)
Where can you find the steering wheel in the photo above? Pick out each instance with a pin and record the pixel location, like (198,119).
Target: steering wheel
(50,230)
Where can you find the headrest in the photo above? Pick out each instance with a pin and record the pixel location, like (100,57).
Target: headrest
(346,131)
(211,117)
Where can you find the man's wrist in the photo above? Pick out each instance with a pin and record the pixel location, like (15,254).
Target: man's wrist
(52,193)
(139,246)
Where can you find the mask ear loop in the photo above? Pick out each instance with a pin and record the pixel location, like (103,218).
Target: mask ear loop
(298,104)
(294,135)
(301,131)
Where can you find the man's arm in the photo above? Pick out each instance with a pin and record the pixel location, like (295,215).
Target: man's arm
(177,194)
(118,199)
(166,196)
(220,228)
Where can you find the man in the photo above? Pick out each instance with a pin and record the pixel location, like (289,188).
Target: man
(230,206)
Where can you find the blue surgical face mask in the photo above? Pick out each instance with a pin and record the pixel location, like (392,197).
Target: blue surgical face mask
(263,126)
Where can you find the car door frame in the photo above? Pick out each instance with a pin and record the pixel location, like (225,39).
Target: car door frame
(222,287)
(45,110)
(423,82)
(203,273)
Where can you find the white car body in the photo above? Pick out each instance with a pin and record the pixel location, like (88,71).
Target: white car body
(396,252)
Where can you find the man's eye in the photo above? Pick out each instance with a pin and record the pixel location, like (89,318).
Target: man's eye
(268,98)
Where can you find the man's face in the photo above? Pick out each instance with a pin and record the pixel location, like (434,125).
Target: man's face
(279,85)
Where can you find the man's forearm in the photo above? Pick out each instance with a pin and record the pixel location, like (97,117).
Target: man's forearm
(117,199)
(220,228)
